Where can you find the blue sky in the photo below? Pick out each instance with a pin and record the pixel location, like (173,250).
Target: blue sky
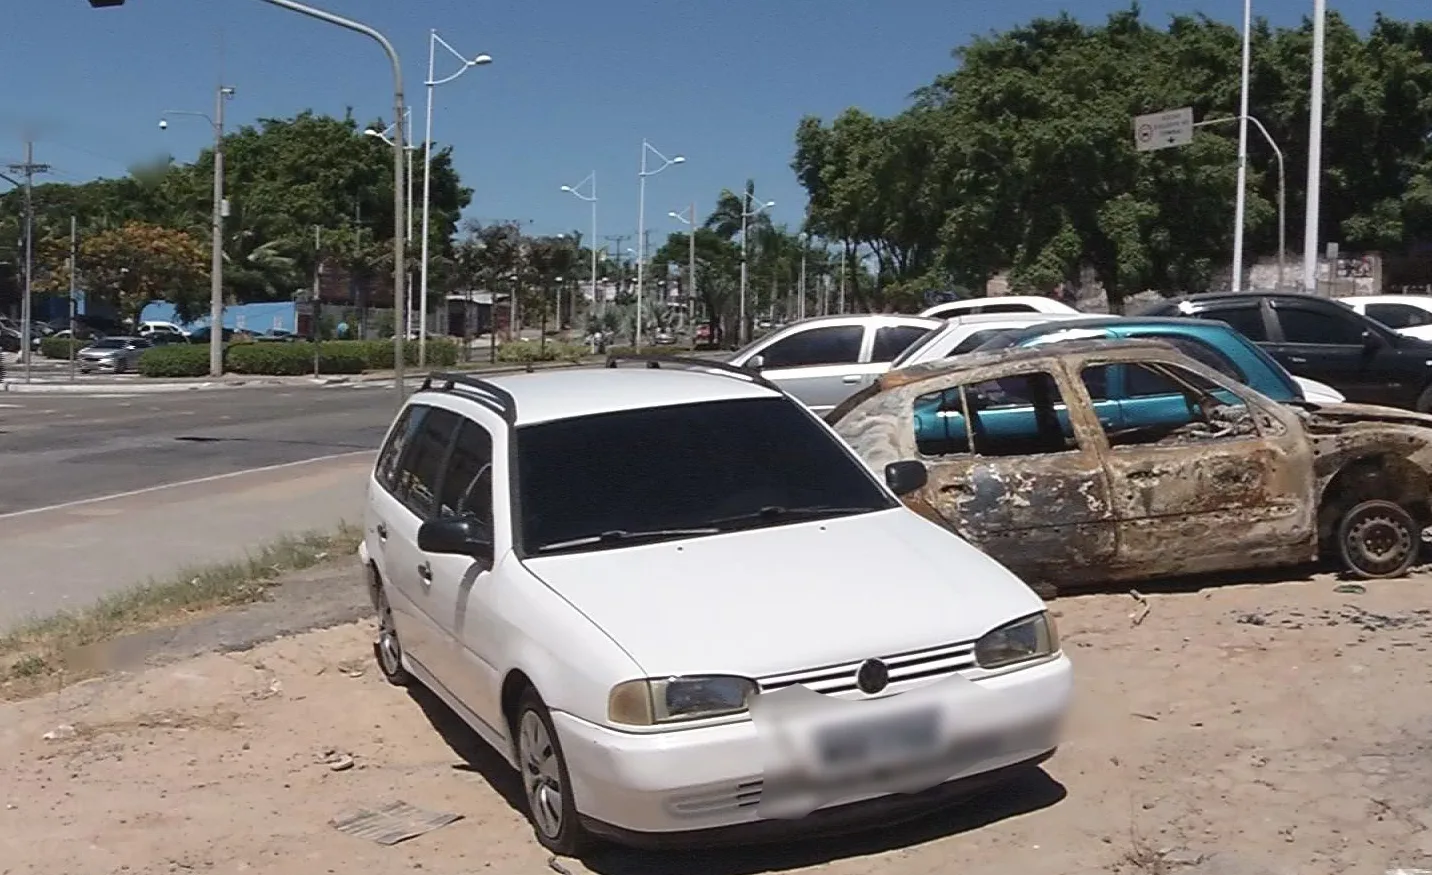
(574,87)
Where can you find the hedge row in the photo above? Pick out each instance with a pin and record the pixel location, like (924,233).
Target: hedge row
(291,359)
(59,347)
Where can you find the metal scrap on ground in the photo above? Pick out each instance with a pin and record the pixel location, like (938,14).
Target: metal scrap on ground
(391,823)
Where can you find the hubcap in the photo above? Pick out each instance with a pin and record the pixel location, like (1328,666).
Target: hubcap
(1379,543)
(389,651)
(540,775)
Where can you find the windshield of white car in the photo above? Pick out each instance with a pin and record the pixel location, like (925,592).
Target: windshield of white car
(682,471)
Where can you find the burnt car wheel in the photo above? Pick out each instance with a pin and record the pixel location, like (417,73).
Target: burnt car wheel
(1378,539)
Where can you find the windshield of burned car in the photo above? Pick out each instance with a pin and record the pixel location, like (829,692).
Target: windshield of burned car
(659,473)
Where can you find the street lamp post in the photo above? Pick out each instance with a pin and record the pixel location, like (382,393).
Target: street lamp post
(690,254)
(746,214)
(576,191)
(805,243)
(641,224)
(1315,151)
(409,147)
(399,266)
(1241,196)
(433,42)
(1282,188)
(216,244)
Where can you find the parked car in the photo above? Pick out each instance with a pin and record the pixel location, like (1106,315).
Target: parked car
(10,339)
(1213,343)
(201,335)
(1407,314)
(165,338)
(1066,486)
(1325,341)
(631,637)
(158,326)
(823,360)
(961,334)
(998,304)
(115,355)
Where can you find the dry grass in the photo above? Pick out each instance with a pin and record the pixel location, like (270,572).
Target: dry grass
(35,654)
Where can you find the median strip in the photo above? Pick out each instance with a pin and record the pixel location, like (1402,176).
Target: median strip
(50,652)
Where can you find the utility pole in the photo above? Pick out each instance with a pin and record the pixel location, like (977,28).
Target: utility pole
(617,240)
(28,170)
(74,286)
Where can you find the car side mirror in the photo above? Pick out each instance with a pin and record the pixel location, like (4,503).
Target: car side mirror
(755,362)
(458,536)
(1371,341)
(906,476)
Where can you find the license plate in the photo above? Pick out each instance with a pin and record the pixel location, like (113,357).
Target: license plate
(886,741)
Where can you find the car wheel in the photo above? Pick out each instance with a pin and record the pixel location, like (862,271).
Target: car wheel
(387,649)
(1378,539)
(1423,404)
(545,783)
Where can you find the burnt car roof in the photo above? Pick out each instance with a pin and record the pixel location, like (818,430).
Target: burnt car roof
(1121,349)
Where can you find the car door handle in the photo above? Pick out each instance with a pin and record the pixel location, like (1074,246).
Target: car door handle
(850,378)
(1297,360)
(425,571)
(382,531)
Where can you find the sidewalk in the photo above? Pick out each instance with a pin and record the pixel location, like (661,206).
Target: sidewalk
(68,556)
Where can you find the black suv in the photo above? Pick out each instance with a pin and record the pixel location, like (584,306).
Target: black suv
(1323,340)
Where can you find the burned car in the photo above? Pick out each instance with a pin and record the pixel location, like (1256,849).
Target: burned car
(1098,461)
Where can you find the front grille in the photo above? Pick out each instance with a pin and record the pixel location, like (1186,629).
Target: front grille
(917,665)
(744,795)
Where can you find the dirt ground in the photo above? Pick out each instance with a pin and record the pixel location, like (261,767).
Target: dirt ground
(1238,730)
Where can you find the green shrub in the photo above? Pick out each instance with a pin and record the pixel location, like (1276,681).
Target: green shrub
(341,356)
(271,359)
(60,347)
(650,349)
(175,360)
(523,352)
(442,352)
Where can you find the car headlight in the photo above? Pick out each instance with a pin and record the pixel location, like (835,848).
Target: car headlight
(1024,640)
(651,701)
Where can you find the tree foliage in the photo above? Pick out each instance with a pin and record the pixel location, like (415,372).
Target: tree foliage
(1022,159)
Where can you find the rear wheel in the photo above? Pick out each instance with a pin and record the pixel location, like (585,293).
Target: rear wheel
(1378,539)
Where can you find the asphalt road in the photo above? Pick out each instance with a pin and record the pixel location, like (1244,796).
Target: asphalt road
(56,449)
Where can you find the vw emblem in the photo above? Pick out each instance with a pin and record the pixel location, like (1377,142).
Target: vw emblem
(872,677)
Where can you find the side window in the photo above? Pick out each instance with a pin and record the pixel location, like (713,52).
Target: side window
(1247,321)
(1189,409)
(892,340)
(1020,415)
(392,453)
(467,485)
(421,471)
(1399,315)
(975,341)
(1208,355)
(1312,326)
(832,345)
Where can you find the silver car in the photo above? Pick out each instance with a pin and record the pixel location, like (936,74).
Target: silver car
(115,355)
(823,361)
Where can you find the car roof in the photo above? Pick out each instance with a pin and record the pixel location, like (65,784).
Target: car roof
(569,393)
(991,299)
(1029,315)
(859,318)
(1132,321)
(1231,297)
(1121,349)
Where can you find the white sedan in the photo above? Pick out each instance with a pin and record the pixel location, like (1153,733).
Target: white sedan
(1406,314)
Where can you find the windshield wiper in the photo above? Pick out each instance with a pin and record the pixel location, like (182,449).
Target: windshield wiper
(776,513)
(621,536)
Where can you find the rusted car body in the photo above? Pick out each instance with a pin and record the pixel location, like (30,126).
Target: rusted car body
(1245,482)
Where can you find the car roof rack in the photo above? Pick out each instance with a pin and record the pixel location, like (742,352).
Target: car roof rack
(656,360)
(494,396)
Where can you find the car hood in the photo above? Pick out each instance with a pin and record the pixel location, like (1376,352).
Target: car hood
(1335,414)
(788,598)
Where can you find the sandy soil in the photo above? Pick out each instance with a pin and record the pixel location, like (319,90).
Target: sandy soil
(1246,729)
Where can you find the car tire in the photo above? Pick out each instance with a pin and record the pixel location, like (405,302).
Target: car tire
(387,650)
(546,786)
(1378,539)
(1424,401)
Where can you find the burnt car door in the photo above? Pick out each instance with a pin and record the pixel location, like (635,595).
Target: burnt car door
(1227,483)
(1012,459)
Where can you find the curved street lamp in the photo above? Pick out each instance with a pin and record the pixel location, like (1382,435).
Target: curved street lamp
(641,224)
(576,191)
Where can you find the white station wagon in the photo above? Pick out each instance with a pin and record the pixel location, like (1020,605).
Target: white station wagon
(677,603)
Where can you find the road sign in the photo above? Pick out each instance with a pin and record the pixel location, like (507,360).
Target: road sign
(1163,130)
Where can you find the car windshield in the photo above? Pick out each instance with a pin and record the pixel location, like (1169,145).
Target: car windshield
(637,476)
(920,343)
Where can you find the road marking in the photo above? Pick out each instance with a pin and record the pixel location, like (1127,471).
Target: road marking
(197,480)
(11,406)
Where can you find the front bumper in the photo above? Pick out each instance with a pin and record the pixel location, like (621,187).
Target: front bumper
(102,365)
(704,786)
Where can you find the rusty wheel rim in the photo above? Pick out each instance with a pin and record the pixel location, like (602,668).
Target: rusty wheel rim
(1377,543)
